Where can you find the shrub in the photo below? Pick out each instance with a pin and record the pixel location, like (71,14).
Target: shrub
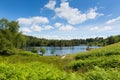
(34,50)
(42,50)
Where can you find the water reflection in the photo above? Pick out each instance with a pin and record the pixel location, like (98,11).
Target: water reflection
(62,50)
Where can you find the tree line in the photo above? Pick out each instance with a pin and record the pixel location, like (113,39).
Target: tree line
(98,41)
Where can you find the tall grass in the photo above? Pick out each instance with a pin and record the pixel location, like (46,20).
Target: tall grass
(106,58)
(33,71)
(105,51)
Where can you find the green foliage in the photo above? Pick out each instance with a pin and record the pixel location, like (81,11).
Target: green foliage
(34,50)
(98,64)
(104,51)
(34,71)
(53,51)
(88,64)
(10,37)
(107,57)
(98,41)
(102,74)
(26,53)
(42,50)
(6,47)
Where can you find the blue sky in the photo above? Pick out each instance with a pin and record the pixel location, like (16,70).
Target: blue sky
(64,19)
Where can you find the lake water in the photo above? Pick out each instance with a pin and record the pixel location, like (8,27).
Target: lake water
(64,50)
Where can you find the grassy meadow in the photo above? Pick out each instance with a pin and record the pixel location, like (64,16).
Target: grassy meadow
(96,64)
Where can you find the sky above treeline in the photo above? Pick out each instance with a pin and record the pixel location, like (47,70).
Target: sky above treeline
(64,19)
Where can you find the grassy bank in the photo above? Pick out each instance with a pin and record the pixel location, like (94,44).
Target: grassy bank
(102,64)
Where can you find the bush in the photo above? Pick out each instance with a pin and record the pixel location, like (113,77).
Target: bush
(42,50)
(7,52)
(26,53)
(34,50)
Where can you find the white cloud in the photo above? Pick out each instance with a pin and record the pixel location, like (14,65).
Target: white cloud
(58,37)
(51,4)
(36,28)
(73,15)
(42,20)
(113,20)
(63,27)
(48,27)
(92,14)
(33,20)
(66,28)
(37,23)
(25,30)
(41,28)
(58,25)
(104,28)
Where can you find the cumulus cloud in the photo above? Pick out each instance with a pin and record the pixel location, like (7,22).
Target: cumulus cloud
(25,30)
(66,28)
(113,20)
(63,27)
(92,14)
(33,20)
(73,15)
(48,27)
(51,4)
(105,28)
(58,25)
(37,23)
(36,28)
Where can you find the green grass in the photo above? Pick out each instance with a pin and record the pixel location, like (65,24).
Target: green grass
(33,71)
(96,64)
(102,74)
(106,58)
(90,63)
(54,60)
(105,51)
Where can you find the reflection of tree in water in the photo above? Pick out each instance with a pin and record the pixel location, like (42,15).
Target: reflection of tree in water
(52,51)
(72,47)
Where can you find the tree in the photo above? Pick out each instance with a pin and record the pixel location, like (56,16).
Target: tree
(42,50)
(34,50)
(10,37)
(13,26)
(3,24)
(110,40)
(6,48)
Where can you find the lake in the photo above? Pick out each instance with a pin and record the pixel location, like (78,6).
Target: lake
(63,50)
